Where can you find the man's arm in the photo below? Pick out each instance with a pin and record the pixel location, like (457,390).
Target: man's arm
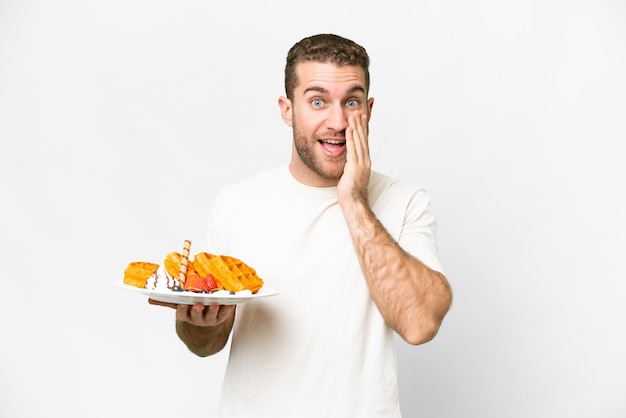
(203,329)
(412,298)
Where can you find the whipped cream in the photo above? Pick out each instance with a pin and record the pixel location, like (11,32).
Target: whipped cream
(161,280)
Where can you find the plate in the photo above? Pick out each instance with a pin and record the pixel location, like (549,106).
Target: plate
(191,298)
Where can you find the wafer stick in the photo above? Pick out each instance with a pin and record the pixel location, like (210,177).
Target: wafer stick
(184,260)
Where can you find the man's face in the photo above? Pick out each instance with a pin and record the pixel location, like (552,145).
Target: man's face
(322,101)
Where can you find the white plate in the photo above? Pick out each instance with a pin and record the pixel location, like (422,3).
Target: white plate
(191,298)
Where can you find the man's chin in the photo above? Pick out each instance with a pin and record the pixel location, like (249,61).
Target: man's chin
(331,174)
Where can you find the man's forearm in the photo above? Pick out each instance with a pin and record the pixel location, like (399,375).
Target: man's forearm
(412,298)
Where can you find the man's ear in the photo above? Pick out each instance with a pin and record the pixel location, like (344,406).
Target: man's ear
(286,111)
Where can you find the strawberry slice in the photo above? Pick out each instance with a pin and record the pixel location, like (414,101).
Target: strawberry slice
(196,283)
(210,282)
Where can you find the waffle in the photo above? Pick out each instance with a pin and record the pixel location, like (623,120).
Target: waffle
(229,272)
(138,272)
(172,264)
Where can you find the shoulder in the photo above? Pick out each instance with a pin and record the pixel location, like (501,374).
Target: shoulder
(398,202)
(385,187)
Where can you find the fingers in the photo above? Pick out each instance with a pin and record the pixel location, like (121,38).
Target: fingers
(199,314)
(204,316)
(225,312)
(357,136)
(355,178)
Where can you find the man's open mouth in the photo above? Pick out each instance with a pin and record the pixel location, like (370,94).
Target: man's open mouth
(332,144)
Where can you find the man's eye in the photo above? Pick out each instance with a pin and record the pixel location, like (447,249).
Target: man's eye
(352,103)
(317,102)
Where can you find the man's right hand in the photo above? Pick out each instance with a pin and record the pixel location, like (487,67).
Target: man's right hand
(199,314)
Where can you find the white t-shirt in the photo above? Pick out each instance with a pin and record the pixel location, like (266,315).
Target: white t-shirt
(320,348)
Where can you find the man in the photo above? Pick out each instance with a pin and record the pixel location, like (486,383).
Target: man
(352,252)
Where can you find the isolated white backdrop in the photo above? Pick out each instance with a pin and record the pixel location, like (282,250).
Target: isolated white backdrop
(119,121)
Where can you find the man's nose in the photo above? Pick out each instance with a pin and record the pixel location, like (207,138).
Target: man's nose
(337,119)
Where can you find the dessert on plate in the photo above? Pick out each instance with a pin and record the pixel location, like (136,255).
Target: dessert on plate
(205,273)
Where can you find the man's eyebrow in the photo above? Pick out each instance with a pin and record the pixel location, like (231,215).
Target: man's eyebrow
(357,88)
(316,89)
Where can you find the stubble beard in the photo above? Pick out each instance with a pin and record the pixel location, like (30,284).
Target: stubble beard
(305,148)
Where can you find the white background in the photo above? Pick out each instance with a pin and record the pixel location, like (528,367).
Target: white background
(119,121)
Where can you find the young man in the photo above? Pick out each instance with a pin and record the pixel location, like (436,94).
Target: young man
(352,252)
